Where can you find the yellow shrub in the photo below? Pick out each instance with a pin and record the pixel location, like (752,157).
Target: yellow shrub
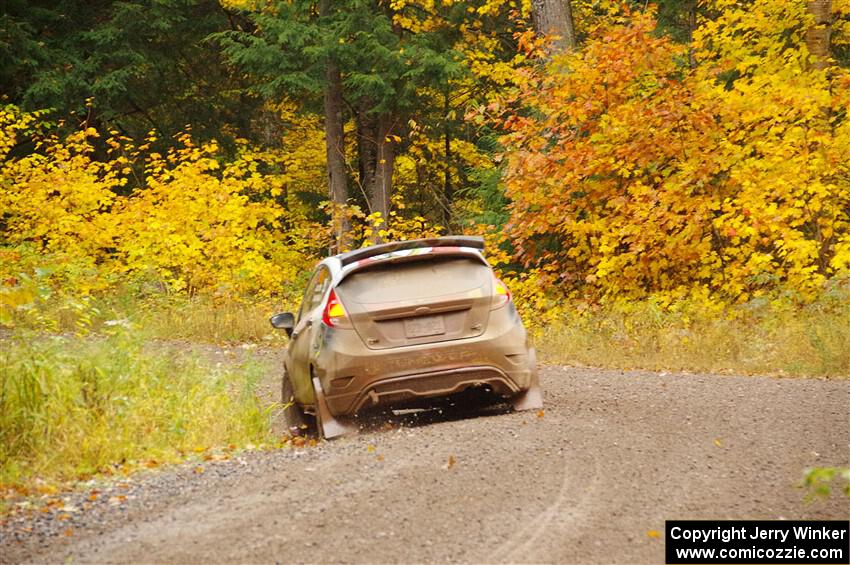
(632,174)
(198,227)
(194,224)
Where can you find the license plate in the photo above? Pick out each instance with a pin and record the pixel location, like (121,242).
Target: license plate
(424,326)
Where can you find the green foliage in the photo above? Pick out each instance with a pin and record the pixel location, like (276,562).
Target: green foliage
(143,63)
(819,480)
(71,407)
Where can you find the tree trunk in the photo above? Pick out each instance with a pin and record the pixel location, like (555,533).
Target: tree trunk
(817,36)
(335,147)
(692,26)
(376,148)
(554,18)
(382,189)
(367,147)
(448,191)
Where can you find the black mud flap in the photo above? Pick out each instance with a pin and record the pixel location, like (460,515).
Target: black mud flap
(532,398)
(330,426)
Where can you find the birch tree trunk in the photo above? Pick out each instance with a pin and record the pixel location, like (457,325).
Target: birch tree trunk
(817,36)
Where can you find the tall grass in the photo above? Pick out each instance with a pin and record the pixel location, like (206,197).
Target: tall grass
(157,316)
(203,319)
(71,406)
(758,338)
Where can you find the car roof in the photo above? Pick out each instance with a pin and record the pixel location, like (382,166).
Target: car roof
(336,263)
(474,242)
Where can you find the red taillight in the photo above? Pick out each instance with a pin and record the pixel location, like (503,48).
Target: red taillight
(334,313)
(501,294)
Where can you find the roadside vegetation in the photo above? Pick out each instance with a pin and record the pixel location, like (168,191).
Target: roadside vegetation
(660,186)
(75,406)
(758,338)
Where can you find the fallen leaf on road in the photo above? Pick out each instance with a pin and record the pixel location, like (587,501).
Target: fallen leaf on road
(46,489)
(68,533)
(653,534)
(541,413)
(718,443)
(370,448)
(199,470)
(450,463)
(380,457)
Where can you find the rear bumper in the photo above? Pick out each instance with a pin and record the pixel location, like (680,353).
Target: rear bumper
(355,377)
(398,390)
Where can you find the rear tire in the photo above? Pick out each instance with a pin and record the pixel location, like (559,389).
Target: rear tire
(293,414)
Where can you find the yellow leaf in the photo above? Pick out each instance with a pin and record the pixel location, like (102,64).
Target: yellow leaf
(450,463)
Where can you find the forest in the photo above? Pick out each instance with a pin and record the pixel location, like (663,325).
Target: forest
(198,147)
(660,185)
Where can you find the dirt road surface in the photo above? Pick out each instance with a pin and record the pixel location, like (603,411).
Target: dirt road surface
(590,481)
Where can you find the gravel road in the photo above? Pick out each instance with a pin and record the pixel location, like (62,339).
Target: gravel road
(591,480)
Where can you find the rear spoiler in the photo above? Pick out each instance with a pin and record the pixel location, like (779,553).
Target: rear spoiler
(474,242)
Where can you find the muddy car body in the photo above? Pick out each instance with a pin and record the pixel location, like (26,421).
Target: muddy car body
(400,322)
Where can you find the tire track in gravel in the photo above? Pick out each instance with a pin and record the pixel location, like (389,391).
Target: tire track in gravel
(521,545)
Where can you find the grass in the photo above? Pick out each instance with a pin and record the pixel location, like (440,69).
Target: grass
(162,317)
(757,338)
(71,407)
(205,320)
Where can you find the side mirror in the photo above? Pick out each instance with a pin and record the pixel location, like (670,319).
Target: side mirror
(284,321)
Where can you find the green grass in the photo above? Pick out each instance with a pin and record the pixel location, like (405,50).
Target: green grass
(758,338)
(72,406)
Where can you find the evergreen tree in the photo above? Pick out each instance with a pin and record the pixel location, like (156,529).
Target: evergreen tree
(144,64)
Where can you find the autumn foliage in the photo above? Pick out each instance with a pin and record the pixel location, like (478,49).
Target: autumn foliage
(187,222)
(192,223)
(636,166)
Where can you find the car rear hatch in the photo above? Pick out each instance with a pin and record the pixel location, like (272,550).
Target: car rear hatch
(428,298)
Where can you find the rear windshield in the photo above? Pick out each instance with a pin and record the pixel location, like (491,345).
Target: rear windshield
(427,277)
